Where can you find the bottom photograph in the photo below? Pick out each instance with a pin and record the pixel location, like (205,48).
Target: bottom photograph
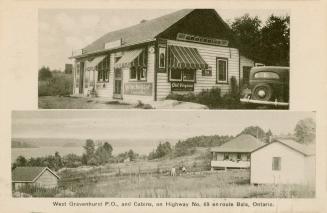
(163,154)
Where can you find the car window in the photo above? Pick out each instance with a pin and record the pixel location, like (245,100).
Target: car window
(269,75)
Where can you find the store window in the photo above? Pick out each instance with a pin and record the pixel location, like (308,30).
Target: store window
(138,73)
(103,70)
(162,57)
(187,75)
(276,163)
(222,70)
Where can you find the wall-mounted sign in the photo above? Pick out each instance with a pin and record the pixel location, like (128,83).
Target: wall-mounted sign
(113,44)
(182,86)
(207,72)
(138,88)
(203,40)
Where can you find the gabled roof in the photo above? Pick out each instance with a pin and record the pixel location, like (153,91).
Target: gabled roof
(29,174)
(242,143)
(142,32)
(301,148)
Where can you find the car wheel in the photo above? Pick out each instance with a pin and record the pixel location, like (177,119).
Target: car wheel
(262,92)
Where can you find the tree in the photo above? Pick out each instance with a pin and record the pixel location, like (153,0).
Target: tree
(255,131)
(275,38)
(305,131)
(45,74)
(246,31)
(108,147)
(20,161)
(89,149)
(102,155)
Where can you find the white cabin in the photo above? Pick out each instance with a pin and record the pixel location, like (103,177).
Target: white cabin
(283,162)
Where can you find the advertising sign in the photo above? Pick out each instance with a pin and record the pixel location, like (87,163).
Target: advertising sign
(138,88)
(182,86)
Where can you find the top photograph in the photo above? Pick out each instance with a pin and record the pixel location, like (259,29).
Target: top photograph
(163,59)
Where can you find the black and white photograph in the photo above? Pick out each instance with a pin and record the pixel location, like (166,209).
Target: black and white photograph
(185,154)
(163,59)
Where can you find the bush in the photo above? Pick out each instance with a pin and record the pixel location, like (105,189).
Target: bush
(212,97)
(60,84)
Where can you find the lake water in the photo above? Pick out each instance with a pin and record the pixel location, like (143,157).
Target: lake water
(50,150)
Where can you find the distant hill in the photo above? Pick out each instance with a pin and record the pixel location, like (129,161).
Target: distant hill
(19,144)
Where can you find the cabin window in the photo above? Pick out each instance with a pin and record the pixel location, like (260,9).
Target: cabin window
(268,75)
(222,70)
(239,157)
(133,73)
(162,57)
(276,163)
(226,156)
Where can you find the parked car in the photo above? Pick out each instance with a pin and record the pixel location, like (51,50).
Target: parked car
(268,85)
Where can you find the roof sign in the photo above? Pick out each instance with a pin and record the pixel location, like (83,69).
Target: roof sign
(203,40)
(113,44)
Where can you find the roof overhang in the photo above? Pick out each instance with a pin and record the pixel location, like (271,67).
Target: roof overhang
(99,52)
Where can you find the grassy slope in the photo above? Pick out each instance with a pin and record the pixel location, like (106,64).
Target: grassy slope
(151,179)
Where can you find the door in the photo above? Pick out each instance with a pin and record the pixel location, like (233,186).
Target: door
(246,75)
(118,83)
(81,78)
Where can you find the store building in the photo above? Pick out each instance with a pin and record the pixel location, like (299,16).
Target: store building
(185,51)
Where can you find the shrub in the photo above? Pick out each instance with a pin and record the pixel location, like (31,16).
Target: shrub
(59,84)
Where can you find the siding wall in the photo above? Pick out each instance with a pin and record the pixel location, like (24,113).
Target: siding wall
(244,61)
(209,54)
(292,165)
(47,180)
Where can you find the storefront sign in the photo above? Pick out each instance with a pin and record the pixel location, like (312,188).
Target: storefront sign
(112,44)
(138,88)
(182,86)
(203,40)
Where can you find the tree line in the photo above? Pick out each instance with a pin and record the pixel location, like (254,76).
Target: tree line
(267,43)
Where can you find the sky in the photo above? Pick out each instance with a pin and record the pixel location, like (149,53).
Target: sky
(64,30)
(117,124)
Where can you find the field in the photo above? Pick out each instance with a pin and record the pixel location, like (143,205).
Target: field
(60,102)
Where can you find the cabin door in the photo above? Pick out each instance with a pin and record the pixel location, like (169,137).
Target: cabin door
(81,78)
(118,78)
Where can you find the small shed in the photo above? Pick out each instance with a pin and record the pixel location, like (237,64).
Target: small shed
(283,161)
(235,153)
(37,176)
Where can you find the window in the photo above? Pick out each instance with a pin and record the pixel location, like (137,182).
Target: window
(162,57)
(222,70)
(226,156)
(239,157)
(138,73)
(176,75)
(269,75)
(103,70)
(133,73)
(276,163)
(182,75)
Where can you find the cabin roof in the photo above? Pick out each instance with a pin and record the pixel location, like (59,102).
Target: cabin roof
(303,149)
(29,174)
(139,33)
(243,143)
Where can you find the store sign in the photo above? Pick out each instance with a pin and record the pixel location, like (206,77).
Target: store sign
(113,44)
(138,88)
(203,40)
(182,86)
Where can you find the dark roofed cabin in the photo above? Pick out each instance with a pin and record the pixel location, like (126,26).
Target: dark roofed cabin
(185,51)
(36,176)
(235,153)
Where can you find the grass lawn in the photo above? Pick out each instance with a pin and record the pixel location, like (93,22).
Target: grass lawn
(57,102)
(220,184)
